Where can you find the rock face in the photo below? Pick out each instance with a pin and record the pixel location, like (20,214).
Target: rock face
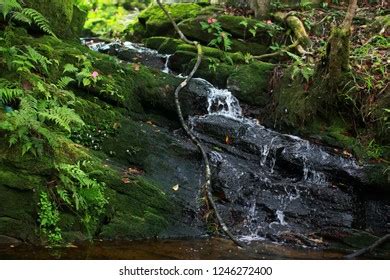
(66,20)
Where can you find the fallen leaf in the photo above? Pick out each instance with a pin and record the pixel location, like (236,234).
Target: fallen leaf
(125,180)
(346,153)
(135,171)
(228,140)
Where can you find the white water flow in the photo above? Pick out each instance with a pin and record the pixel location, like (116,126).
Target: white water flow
(166,65)
(222,102)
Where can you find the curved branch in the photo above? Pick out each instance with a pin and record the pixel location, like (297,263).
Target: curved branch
(279,52)
(195,140)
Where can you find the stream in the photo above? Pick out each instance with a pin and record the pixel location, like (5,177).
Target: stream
(284,195)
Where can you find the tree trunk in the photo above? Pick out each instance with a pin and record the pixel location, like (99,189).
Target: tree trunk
(260,7)
(337,54)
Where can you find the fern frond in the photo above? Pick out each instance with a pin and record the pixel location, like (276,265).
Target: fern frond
(70,68)
(64,82)
(63,117)
(38,19)
(38,58)
(9,91)
(28,104)
(9,5)
(18,16)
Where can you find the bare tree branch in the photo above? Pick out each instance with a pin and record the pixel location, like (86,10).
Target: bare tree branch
(195,140)
(370,248)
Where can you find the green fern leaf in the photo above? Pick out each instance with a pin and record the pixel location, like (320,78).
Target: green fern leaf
(38,19)
(64,82)
(9,5)
(63,117)
(9,91)
(18,16)
(37,58)
(70,68)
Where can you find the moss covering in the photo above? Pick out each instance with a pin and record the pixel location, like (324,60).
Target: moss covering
(212,70)
(65,19)
(249,83)
(164,45)
(153,22)
(22,177)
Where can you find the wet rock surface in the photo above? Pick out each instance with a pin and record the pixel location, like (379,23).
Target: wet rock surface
(267,185)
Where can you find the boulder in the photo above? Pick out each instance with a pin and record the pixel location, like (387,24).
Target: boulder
(66,20)
(249,83)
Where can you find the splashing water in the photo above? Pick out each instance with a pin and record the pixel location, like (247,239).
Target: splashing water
(166,67)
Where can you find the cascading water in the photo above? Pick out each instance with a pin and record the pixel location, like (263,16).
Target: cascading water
(270,183)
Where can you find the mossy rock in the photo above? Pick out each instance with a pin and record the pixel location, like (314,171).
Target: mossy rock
(20,181)
(292,105)
(214,71)
(18,204)
(249,83)
(232,24)
(248,47)
(178,62)
(192,29)
(139,209)
(168,45)
(164,45)
(378,177)
(65,19)
(242,40)
(153,22)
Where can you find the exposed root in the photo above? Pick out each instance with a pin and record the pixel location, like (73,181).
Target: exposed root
(298,29)
(195,140)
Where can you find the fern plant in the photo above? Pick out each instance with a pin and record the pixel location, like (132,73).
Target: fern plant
(25,60)
(80,192)
(9,91)
(49,218)
(13,10)
(62,116)
(28,127)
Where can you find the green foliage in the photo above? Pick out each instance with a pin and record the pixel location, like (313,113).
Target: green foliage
(28,126)
(9,5)
(109,18)
(15,12)
(25,61)
(40,110)
(212,64)
(85,75)
(301,68)
(81,193)
(48,218)
(374,150)
(222,38)
(37,18)
(63,82)
(62,116)
(268,26)
(370,81)
(9,91)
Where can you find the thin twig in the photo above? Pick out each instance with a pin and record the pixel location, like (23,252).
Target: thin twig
(370,248)
(277,53)
(195,140)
